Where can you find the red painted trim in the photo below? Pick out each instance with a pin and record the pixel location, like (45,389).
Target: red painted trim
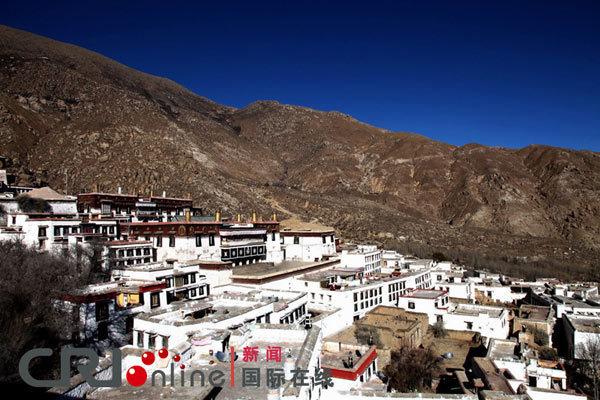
(353,374)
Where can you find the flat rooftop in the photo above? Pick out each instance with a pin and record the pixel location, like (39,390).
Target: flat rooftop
(502,349)
(538,313)
(475,310)
(494,378)
(341,359)
(425,294)
(569,301)
(353,284)
(215,308)
(125,285)
(265,270)
(585,323)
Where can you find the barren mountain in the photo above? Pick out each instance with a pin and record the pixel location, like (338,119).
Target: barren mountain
(73,118)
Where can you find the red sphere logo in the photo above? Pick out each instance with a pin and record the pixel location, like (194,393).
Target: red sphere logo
(163,353)
(136,375)
(148,358)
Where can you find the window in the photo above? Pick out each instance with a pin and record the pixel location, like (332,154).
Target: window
(411,305)
(102,332)
(469,325)
(198,241)
(296,240)
(159,241)
(111,230)
(211,240)
(57,231)
(154,300)
(192,292)
(101,311)
(192,278)
(324,239)
(152,342)
(273,236)
(170,297)
(171,241)
(140,339)
(42,231)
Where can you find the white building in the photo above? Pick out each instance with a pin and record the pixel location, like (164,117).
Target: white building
(434,303)
(133,207)
(526,370)
(45,232)
(490,322)
(356,296)
(183,281)
(177,324)
(102,314)
(577,290)
(494,291)
(363,258)
(579,331)
(59,203)
(238,243)
(306,241)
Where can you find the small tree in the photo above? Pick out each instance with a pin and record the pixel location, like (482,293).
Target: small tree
(33,205)
(589,354)
(539,336)
(31,282)
(412,369)
(439,330)
(547,353)
(368,335)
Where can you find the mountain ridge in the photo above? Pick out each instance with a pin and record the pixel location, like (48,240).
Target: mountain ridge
(74,119)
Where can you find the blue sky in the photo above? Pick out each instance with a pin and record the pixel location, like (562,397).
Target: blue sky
(506,73)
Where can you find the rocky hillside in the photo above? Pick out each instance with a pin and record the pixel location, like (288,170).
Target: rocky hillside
(73,118)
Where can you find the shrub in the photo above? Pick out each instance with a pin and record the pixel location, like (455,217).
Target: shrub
(539,336)
(439,330)
(33,205)
(547,353)
(367,335)
(412,369)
